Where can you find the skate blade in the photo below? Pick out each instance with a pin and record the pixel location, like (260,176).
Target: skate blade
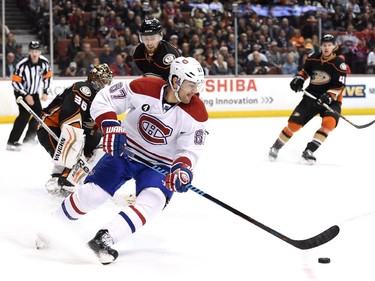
(307,161)
(271,158)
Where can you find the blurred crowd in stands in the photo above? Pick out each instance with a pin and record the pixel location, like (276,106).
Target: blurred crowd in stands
(274,37)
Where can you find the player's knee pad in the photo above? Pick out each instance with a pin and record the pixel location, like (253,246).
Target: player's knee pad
(293,127)
(329,122)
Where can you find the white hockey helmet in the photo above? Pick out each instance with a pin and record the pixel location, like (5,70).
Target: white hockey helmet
(186,68)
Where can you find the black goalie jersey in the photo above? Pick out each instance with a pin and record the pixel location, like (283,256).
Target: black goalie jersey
(72,107)
(325,75)
(159,64)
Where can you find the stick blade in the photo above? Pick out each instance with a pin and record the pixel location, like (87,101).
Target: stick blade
(365,125)
(317,240)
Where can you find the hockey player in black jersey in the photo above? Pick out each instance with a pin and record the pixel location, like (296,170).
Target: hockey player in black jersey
(68,116)
(327,73)
(153,56)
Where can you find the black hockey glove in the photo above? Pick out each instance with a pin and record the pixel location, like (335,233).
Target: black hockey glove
(325,98)
(297,83)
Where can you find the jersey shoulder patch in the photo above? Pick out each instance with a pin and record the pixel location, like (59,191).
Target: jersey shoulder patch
(343,66)
(148,86)
(84,90)
(196,109)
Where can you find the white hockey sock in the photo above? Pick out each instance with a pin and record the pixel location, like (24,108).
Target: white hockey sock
(149,203)
(87,197)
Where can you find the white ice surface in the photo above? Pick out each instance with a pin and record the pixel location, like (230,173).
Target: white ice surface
(195,239)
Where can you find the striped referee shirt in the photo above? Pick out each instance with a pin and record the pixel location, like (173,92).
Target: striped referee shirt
(27,77)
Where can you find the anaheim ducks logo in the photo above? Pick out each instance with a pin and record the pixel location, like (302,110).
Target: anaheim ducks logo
(320,78)
(153,130)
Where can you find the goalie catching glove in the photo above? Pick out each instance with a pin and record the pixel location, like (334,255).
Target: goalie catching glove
(114,138)
(297,83)
(325,98)
(179,178)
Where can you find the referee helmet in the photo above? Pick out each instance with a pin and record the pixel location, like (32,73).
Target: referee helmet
(34,45)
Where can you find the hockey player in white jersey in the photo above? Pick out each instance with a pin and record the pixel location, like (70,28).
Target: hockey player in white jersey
(165,124)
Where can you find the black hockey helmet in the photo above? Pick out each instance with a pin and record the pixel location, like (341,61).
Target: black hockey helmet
(34,45)
(328,38)
(151,27)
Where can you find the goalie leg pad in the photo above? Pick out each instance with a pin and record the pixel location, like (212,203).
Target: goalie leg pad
(69,147)
(79,172)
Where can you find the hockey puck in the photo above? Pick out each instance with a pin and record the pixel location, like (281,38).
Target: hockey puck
(324,260)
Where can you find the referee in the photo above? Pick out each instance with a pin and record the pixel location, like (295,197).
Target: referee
(28,75)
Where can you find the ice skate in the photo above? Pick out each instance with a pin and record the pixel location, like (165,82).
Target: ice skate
(272,154)
(30,141)
(14,146)
(101,245)
(309,157)
(274,150)
(59,186)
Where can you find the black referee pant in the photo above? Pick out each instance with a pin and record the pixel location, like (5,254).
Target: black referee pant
(23,119)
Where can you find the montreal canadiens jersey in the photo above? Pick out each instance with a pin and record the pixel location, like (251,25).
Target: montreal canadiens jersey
(325,75)
(161,136)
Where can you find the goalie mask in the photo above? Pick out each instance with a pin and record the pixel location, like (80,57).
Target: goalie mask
(100,76)
(186,69)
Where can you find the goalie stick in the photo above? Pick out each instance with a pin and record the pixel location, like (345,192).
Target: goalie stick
(338,114)
(305,244)
(80,169)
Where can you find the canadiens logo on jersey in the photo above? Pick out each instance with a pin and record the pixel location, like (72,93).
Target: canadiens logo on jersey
(153,130)
(168,58)
(320,77)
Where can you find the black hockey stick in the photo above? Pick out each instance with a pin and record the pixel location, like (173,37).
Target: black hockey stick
(305,244)
(338,114)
